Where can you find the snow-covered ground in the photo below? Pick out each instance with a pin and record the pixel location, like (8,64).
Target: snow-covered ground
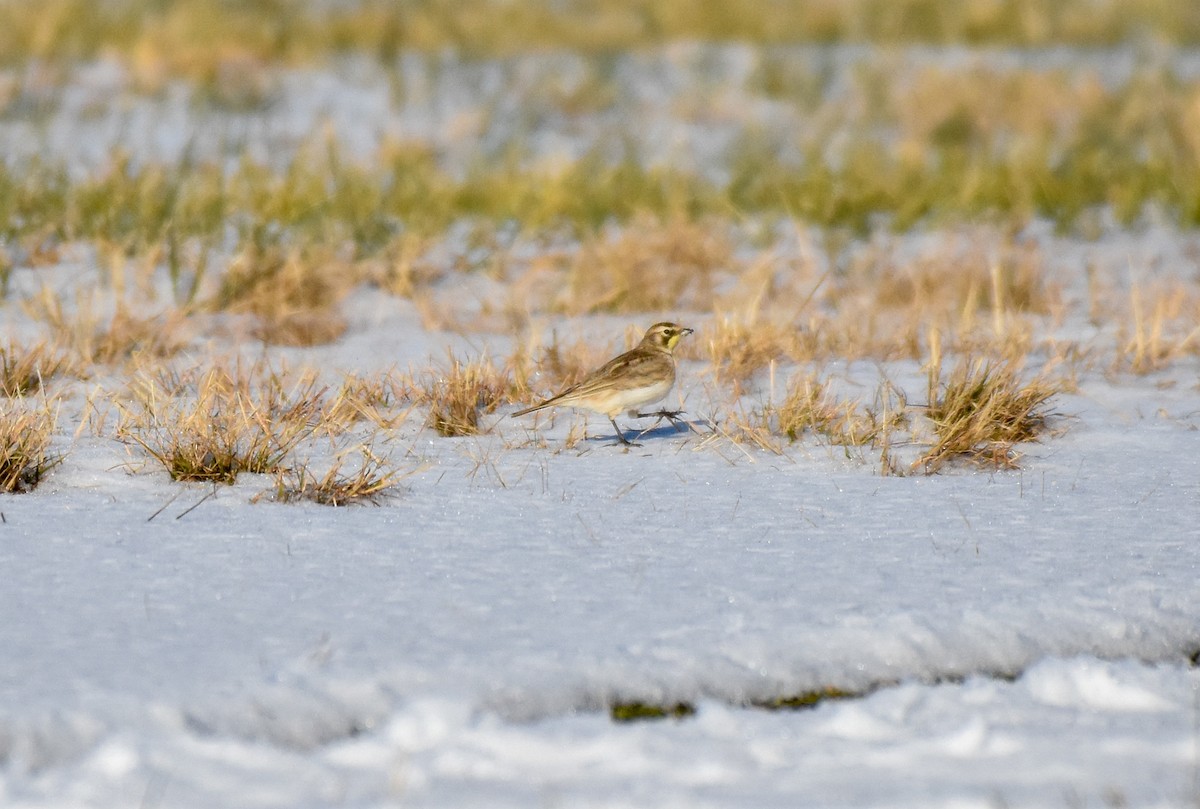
(1024,638)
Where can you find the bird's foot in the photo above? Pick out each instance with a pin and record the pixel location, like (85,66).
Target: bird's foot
(672,416)
(621,436)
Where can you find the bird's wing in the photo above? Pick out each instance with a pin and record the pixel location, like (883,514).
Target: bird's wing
(630,362)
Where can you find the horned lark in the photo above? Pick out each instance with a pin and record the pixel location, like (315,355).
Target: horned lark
(625,383)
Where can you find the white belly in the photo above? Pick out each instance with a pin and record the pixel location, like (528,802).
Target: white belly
(628,401)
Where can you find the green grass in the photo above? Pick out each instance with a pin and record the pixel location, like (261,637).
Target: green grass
(370,207)
(805,700)
(942,147)
(640,711)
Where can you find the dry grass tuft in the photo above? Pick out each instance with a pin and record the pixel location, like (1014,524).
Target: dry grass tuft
(26,370)
(738,350)
(1162,328)
(293,295)
(944,281)
(371,398)
(982,411)
(24,447)
(368,483)
(128,335)
(810,407)
(99,340)
(404,267)
(751,428)
(558,364)
(649,266)
(221,425)
(457,395)
(974,293)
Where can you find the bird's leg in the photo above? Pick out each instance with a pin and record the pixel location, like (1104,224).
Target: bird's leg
(620,435)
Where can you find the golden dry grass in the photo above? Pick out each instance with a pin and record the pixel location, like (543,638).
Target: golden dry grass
(27,369)
(368,480)
(404,267)
(1163,324)
(216,425)
(94,338)
(293,295)
(648,266)
(943,282)
(737,351)
(375,398)
(978,290)
(742,427)
(457,394)
(982,411)
(557,364)
(982,293)
(979,414)
(25,434)
(810,407)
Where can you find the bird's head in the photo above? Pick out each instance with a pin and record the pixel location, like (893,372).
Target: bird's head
(665,335)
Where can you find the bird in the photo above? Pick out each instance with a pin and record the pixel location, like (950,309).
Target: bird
(641,376)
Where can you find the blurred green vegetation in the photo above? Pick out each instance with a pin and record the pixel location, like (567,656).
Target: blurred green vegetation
(140,208)
(1007,148)
(944,144)
(192,36)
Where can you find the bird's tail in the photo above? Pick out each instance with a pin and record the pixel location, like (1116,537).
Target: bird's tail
(556,399)
(539,406)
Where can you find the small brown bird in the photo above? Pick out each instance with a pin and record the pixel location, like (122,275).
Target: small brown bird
(638,377)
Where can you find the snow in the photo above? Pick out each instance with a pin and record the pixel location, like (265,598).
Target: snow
(977,743)
(458,645)
(1021,638)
